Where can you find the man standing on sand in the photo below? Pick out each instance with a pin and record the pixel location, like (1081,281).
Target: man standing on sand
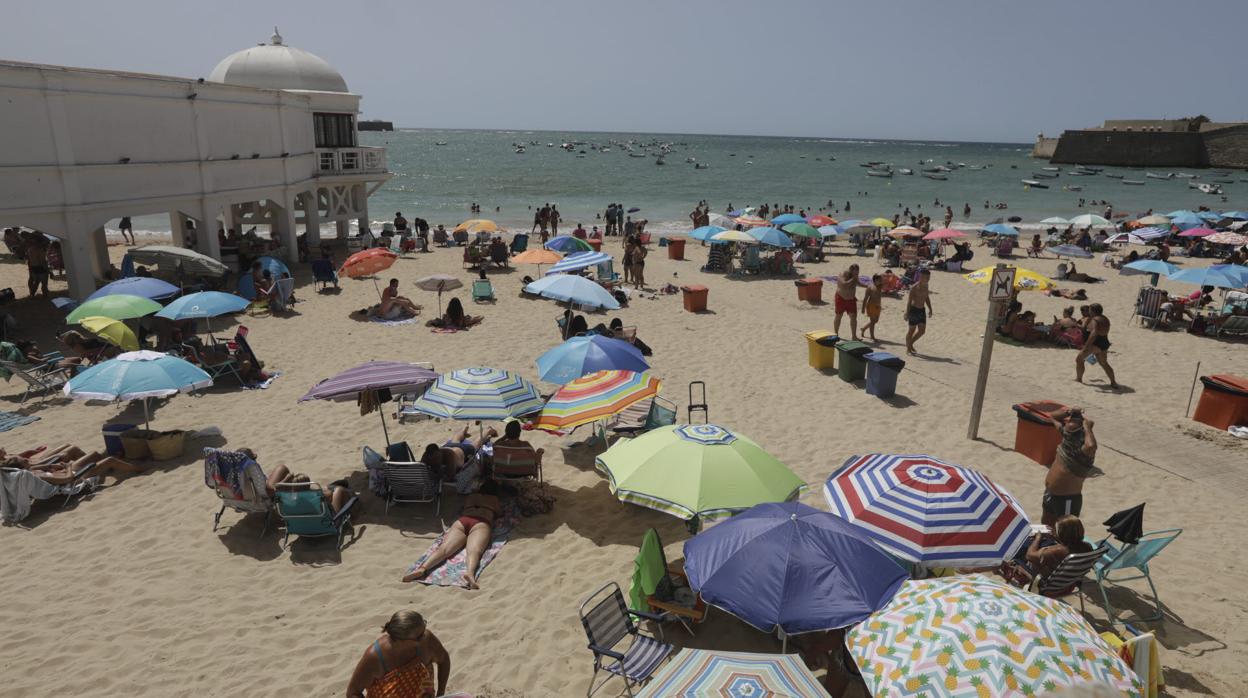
(127,230)
(872,304)
(847,300)
(610,218)
(1097,345)
(1063,486)
(918,307)
(36,251)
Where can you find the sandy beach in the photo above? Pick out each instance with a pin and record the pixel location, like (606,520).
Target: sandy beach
(129,592)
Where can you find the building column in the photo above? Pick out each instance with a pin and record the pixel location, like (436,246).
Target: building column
(344,229)
(209,244)
(86,256)
(177,226)
(312,219)
(285,230)
(361,198)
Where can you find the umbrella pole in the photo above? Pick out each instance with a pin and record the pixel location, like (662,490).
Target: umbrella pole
(439,302)
(147,422)
(376,287)
(385,432)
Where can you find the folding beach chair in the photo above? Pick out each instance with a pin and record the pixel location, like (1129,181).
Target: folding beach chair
(251,495)
(307,514)
(607,623)
(606,273)
(409,481)
(1132,556)
(323,273)
(517,463)
(519,243)
(228,366)
(1148,305)
(642,417)
(41,379)
(33,487)
(1067,578)
(751,263)
(284,297)
(661,587)
(460,237)
(482,290)
(1233,326)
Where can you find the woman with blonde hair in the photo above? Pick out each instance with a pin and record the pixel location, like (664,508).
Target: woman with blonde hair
(399,663)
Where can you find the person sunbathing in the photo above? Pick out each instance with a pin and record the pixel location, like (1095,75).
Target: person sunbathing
(393,306)
(58,466)
(456,453)
(1076,275)
(472,531)
(401,662)
(454,317)
(1075,295)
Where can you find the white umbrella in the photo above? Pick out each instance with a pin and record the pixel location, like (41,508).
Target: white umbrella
(1089,219)
(439,283)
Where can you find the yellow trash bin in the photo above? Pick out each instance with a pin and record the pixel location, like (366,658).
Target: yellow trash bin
(821,346)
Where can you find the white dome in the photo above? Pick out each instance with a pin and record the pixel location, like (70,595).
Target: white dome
(276,66)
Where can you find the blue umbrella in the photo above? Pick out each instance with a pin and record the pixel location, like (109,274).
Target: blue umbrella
(829,231)
(1238,215)
(1179,212)
(204,304)
(1151,266)
(137,375)
(579,260)
(566,244)
(1220,275)
(573,289)
(144,286)
(1069,251)
(737,213)
(705,232)
(580,356)
(786,218)
(1001,229)
(273,265)
(791,568)
(1186,220)
(771,236)
(1209,216)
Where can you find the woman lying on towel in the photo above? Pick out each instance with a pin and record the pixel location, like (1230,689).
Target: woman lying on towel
(455,317)
(57,467)
(401,661)
(473,531)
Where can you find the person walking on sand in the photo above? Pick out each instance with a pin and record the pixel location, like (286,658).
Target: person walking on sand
(127,230)
(872,304)
(554,220)
(1075,462)
(1096,346)
(918,308)
(847,300)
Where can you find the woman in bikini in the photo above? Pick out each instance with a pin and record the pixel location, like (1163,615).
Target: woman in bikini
(473,531)
(400,663)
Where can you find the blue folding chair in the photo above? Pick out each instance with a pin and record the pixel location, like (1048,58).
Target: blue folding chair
(307,514)
(1132,556)
(323,273)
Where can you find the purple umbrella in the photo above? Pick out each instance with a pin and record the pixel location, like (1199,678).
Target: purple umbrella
(396,376)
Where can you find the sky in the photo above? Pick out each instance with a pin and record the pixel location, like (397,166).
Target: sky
(964,70)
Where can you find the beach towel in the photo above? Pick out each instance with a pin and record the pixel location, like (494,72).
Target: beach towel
(18,488)
(401,321)
(445,330)
(264,384)
(1140,653)
(451,572)
(13,420)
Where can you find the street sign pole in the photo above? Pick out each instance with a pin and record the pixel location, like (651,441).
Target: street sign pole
(1000,288)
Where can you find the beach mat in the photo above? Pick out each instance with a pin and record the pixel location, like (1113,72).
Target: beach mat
(13,420)
(450,573)
(262,385)
(404,321)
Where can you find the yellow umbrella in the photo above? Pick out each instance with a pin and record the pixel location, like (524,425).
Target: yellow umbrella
(477,225)
(883,223)
(735,236)
(1024,279)
(113,331)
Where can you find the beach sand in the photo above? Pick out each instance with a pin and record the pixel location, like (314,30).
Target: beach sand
(129,592)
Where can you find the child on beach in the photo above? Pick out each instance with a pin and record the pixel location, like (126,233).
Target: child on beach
(872,304)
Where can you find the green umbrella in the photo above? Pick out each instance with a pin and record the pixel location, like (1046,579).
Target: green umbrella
(119,306)
(802,230)
(700,471)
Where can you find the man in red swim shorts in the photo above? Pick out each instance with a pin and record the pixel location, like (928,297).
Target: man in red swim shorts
(847,300)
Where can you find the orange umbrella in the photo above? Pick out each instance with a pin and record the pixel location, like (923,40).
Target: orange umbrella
(538,256)
(751,221)
(367,262)
(820,221)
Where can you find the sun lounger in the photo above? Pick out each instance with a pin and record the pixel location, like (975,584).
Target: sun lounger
(517,463)
(409,481)
(40,379)
(608,623)
(1133,557)
(239,483)
(20,487)
(307,514)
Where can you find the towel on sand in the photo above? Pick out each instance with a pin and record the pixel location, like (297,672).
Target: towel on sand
(401,321)
(12,420)
(262,385)
(451,572)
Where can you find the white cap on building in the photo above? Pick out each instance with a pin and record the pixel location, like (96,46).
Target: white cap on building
(276,66)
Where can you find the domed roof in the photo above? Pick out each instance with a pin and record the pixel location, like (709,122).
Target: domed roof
(276,66)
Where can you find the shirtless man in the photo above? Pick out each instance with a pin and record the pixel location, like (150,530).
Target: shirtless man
(1096,345)
(1063,486)
(918,308)
(37,263)
(452,456)
(393,303)
(872,303)
(847,300)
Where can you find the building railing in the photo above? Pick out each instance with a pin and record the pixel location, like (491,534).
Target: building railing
(357,160)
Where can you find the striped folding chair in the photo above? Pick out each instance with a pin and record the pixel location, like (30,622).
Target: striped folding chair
(1148,305)
(411,482)
(1067,578)
(608,622)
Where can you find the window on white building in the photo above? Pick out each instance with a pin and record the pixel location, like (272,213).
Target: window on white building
(334,130)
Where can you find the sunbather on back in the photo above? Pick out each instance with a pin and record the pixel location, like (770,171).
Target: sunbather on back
(457,452)
(472,531)
(58,466)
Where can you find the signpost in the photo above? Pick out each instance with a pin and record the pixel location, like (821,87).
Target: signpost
(999,291)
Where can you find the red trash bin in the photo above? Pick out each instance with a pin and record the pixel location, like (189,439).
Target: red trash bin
(675,248)
(695,298)
(810,290)
(1036,437)
(1223,402)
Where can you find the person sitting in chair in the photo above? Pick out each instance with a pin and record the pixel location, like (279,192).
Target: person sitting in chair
(511,437)
(472,531)
(1045,552)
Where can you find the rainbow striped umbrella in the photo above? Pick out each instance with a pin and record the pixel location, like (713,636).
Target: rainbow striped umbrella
(695,673)
(596,396)
(927,511)
(479,393)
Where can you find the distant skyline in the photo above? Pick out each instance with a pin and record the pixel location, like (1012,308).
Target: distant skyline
(968,70)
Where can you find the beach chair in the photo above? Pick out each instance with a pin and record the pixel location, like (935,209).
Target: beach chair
(307,514)
(40,379)
(1062,270)
(323,273)
(284,297)
(19,483)
(1233,326)
(751,262)
(241,486)
(606,274)
(472,256)
(519,243)
(909,256)
(641,418)
(608,622)
(1067,578)
(460,237)
(228,366)
(1004,248)
(441,238)
(1036,250)
(482,290)
(659,587)
(1132,557)
(409,481)
(1148,304)
(517,463)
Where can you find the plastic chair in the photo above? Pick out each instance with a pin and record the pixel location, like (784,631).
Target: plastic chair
(409,481)
(323,273)
(307,514)
(1133,557)
(482,290)
(608,622)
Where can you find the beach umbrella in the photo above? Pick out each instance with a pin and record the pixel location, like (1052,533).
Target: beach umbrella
(118,306)
(699,472)
(906,231)
(1089,219)
(820,221)
(719,220)
(439,283)
(367,263)
(573,289)
(734,236)
(792,569)
(771,236)
(579,260)
(1219,275)
(831,231)
(786,218)
(203,305)
(1000,229)
(1237,215)
(567,243)
(273,265)
(1151,266)
(473,225)
(1121,239)
(944,234)
(751,221)
(1069,251)
(975,635)
(142,286)
(191,262)
(927,511)
(705,232)
(1024,279)
(696,673)
(1186,221)
(579,356)
(595,396)
(1055,220)
(1181,213)
(1154,220)
(479,394)
(538,256)
(137,375)
(1126,525)
(1198,232)
(1151,233)
(883,223)
(1227,238)
(1209,216)
(856,226)
(395,376)
(802,230)
(115,332)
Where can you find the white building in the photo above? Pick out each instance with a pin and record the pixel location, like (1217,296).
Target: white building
(268,139)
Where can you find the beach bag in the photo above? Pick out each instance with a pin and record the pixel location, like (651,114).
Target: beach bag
(166,445)
(136,442)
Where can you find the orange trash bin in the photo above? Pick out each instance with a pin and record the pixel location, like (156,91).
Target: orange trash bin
(695,298)
(595,243)
(810,290)
(675,248)
(1223,402)
(1036,437)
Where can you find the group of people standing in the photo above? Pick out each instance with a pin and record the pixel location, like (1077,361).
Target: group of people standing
(546,221)
(918,304)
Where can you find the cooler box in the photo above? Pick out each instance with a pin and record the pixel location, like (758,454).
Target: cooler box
(821,348)
(882,371)
(852,365)
(595,243)
(1223,402)
(112,438)
(810,290)
(1035,436)
(675,248)
(695,298)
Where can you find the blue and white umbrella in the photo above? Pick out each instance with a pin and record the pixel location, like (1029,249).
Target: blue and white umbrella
(1150,266)
(573,289)
(855,225)
(479,393)
(831,231)
(273,265)
(580,356)
(786,218)
(578,260)
(1001,229)
(205,304)
(137,375)
(1069,251)
(1219,275)
(1186,220)
(1209,216)
(705,232)
(142,286)
(771,236)
(1237,215)
(1150,233)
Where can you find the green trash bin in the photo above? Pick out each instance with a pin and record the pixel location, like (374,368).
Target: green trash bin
(852,364)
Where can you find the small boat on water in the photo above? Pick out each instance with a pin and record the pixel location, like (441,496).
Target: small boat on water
(1035,184)
(700,166)
(637,155)
(1111,175)
(1051,169)
(1080,173)
(1044,175)
(974,167)
(440,143)
(1223,181)
(1072,187)
(1134,182)
(1207,188)
(879,173)
(936,176)
(520,150)
(1088,168)
(1153,175)
(906,171)
(1220,173)
(1185,175)
(660,161)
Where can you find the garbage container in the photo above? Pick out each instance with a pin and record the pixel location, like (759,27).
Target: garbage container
(810,290)
(1223,402)
(695,298)
(112,438)
(852,366)
(1035,436)
(595,243)
(675,248)
(882,371)
(821,348)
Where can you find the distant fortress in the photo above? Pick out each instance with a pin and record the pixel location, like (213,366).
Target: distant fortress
(375,125)
(1191,142)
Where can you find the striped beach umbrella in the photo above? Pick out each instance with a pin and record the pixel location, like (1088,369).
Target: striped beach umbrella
(1227,238)
(579,260)
(751,221)
(479,393)
(973,635)
(598,395)
(694,673)
(927,511)
(398,377)
(1151,233)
